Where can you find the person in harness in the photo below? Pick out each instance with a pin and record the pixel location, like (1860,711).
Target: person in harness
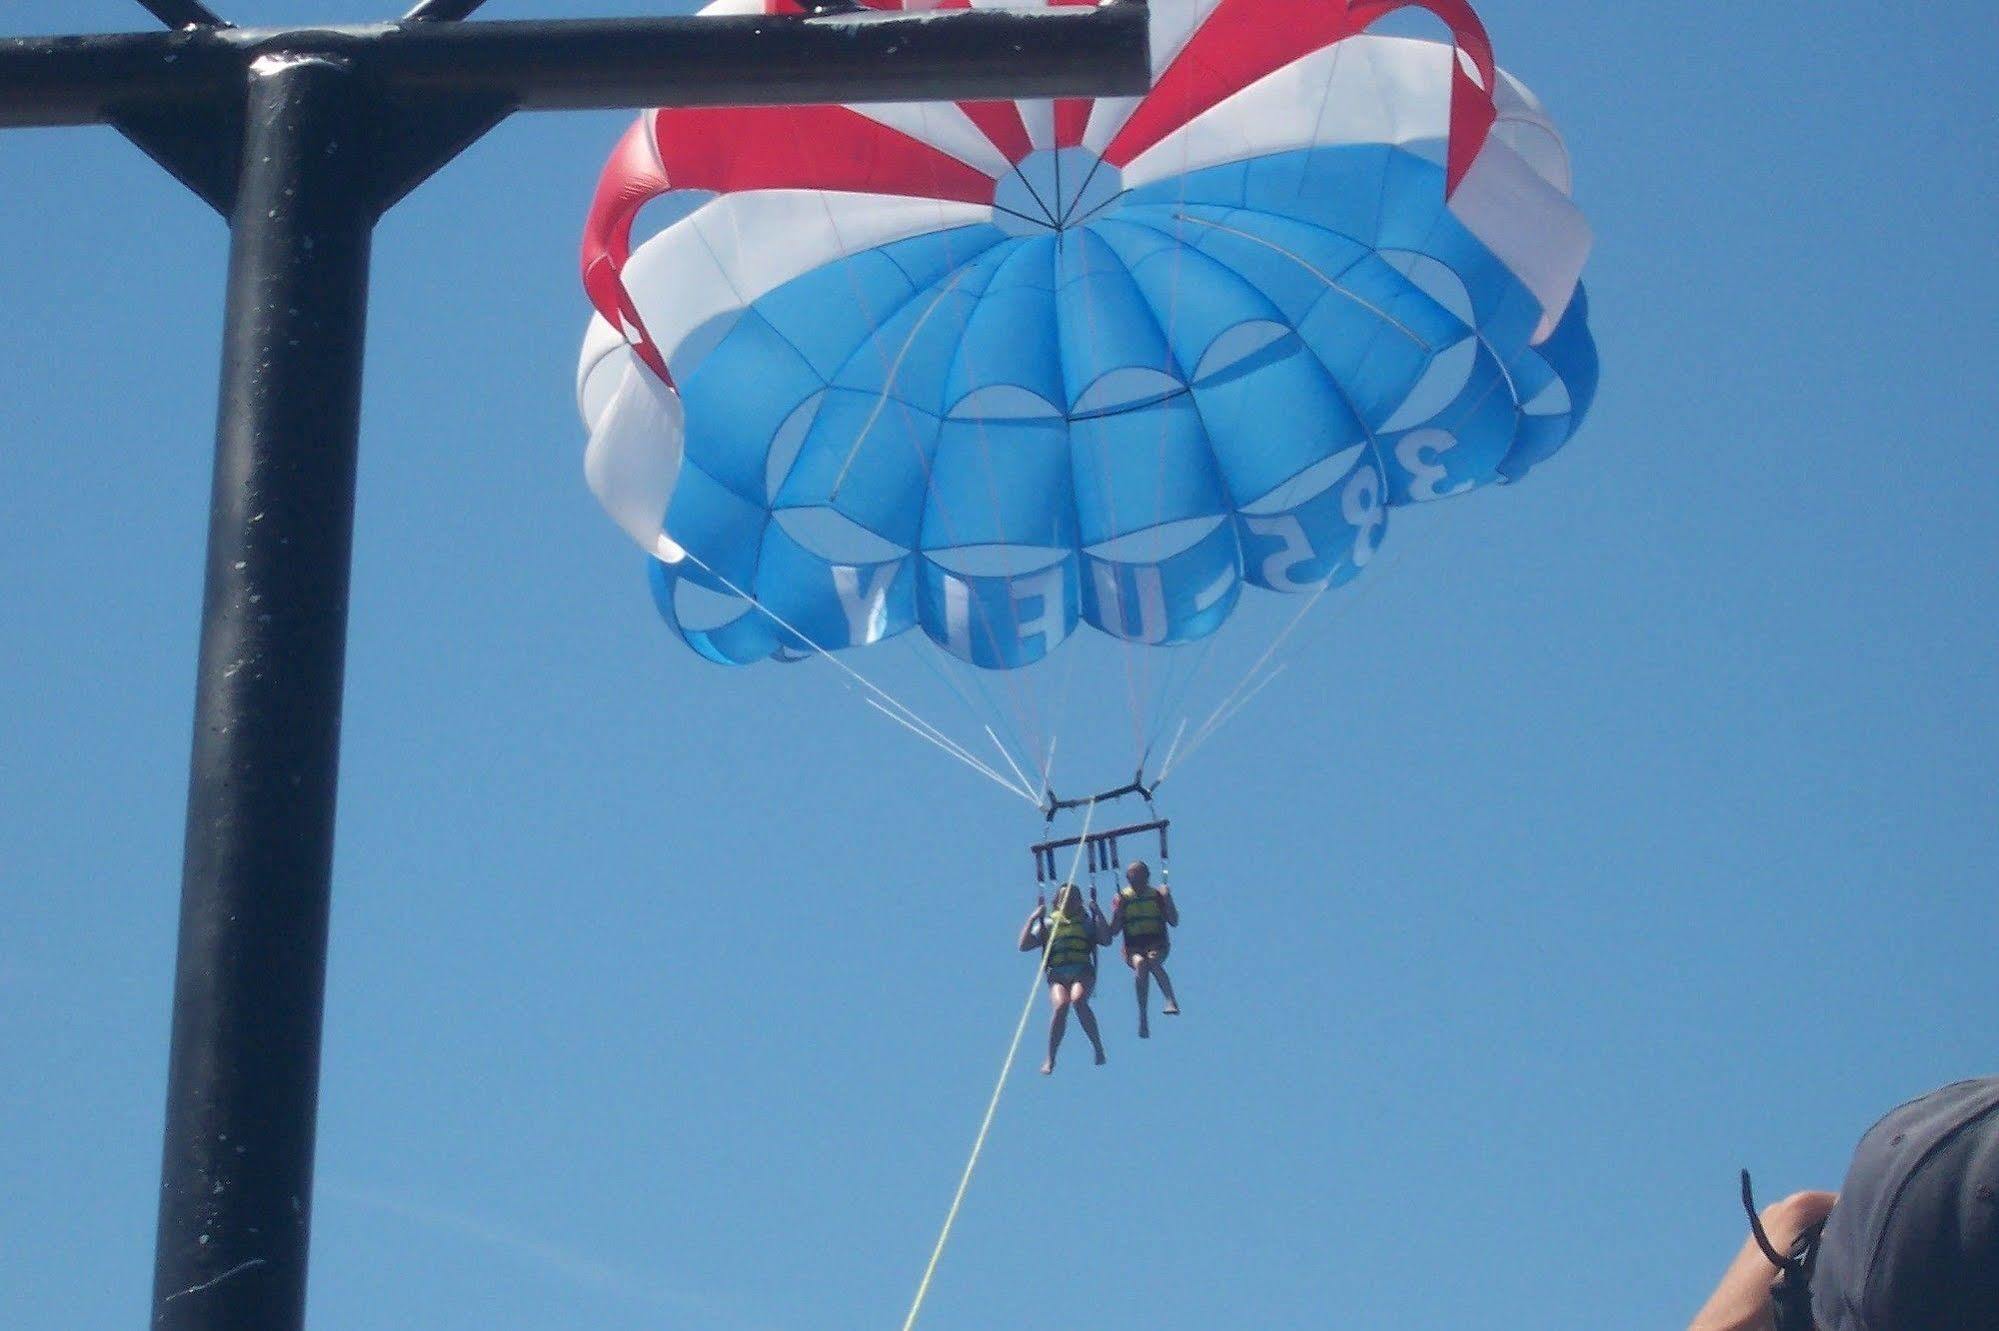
(1072,933)
(1143,914)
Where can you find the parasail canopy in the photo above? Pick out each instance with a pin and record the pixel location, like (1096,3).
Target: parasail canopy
(995,374)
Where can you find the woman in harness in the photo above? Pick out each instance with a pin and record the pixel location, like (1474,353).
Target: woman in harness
(1071,934)
(1143,914)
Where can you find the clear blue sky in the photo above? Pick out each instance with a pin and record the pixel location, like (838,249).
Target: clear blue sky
(1634,825)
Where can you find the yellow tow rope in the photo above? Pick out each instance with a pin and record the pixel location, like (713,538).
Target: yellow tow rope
(992,1105)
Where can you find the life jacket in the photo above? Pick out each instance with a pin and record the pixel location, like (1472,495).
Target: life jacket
(1074,942)
(1143,920)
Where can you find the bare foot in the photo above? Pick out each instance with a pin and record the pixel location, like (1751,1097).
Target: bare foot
(1048,1067)
(1100,1058)
(1171,1009)
(1144,1031)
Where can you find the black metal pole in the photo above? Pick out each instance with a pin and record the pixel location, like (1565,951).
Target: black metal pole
(336,124)
(243,1075)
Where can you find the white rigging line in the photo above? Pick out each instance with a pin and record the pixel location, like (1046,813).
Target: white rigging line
(1166,764)
(1048,764)
(1332,284)
(1215,724)
(945,673)
(888,384)
(1231,705)
(1178,691)
(1207,726)
(1008,755)
(973,763)
(903,713)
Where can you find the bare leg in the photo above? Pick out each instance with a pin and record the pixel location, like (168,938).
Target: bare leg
(1141,973)
(1080,1000)
(1058,1021)
(1172,1005)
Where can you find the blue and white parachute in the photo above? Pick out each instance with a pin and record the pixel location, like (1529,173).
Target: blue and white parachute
(998,373)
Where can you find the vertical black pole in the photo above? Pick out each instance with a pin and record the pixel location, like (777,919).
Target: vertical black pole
(243,1077)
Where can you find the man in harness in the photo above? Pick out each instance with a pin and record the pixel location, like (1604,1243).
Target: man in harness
(1071,934)
(1143,914)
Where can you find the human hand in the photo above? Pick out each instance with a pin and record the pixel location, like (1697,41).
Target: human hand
(1741,1302)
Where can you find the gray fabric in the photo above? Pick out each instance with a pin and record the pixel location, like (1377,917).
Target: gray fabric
(1913,1244)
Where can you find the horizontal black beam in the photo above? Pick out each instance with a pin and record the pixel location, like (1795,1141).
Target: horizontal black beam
(1099,838)
(1136,786)
(605,64)
(960,55)
(182,13)
(442,11)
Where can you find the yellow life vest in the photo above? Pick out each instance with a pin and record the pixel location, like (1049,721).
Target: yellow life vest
(1143,918)
(1074,942)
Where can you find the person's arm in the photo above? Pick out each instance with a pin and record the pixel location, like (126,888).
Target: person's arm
(1741,1302)
(1104,932)
(1167,908)
(1030,933)
(1117,918)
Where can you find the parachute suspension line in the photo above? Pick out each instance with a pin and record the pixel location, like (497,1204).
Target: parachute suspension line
(1067,245)
(1208,726)
(992,1105)
(1139,658)
(1222,719)
(1020,710)
(1008,755)
(1154,703)
(1058,709)
(1233,704)
(1024,722)
(901,711)
(944,674)
(1177,693)
(1150,704)
(1332,283)
(1388,564)
(1505,376)
(1236,699)
(1166,764)
(973,763)
(888,384)
(1029,724)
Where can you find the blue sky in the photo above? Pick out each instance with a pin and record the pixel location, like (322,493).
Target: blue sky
(1624,827)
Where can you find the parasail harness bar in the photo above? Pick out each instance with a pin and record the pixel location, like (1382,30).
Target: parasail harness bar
(1100,850)
(1136,786)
